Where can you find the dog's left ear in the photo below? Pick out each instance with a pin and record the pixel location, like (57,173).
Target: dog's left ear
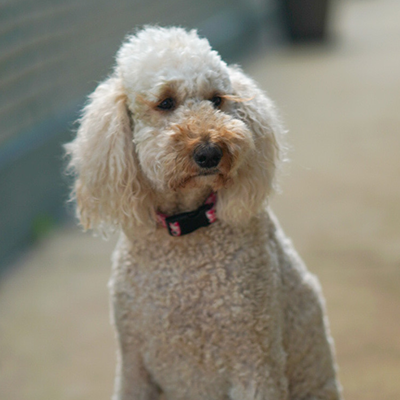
(255,176)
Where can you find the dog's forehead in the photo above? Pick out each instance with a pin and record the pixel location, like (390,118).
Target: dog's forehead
(187,80)
(193,73)
(185,59)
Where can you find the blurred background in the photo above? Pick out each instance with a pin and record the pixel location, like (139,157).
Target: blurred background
(333,68)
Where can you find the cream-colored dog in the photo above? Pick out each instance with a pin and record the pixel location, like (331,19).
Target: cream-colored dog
(178,152)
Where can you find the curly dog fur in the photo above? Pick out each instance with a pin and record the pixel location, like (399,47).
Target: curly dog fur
(228,311)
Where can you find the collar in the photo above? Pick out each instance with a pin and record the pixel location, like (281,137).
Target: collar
(187,222)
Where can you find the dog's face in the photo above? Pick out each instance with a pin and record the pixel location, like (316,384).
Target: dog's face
(181,102)
(173,116)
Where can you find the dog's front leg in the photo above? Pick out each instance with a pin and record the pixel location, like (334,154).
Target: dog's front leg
(132,381)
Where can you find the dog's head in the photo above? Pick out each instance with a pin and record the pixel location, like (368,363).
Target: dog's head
(173,116)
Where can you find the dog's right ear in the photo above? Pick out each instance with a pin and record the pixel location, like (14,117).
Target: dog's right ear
(108,188)
(255,179)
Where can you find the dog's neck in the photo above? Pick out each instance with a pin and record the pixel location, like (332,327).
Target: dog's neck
(181,200)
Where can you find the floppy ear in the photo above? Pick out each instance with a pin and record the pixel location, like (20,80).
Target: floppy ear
(108,188)
(255,176)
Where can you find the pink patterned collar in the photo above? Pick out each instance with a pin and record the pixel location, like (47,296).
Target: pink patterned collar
(187,222)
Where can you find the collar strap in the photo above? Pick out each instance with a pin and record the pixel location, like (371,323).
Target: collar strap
(187,222)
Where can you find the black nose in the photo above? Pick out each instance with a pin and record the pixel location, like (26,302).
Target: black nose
(207,155)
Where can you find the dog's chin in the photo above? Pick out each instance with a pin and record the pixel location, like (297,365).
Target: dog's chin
(204,179)
(213,179)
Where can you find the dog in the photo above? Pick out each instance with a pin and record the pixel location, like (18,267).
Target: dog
(178,152)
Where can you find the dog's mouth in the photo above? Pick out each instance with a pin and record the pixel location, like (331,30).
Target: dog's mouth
(208,172)
(214,178)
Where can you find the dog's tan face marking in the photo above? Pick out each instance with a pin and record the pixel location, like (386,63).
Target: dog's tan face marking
(202,124)
(179,121)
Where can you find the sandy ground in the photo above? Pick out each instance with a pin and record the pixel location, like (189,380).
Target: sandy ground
(340,203)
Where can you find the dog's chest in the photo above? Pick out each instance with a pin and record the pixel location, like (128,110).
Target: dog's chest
(197,289)
(186,294)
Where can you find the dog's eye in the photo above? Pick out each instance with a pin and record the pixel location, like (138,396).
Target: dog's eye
(216,100)
(167,104)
